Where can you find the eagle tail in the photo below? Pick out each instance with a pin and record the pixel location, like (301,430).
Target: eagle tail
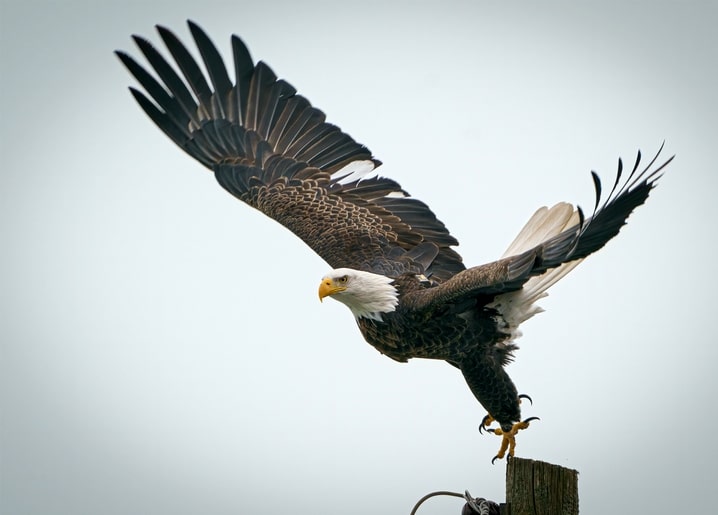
(518,306)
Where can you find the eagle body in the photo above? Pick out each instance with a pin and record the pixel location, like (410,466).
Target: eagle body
(393,261)
(468,334)
(448,332)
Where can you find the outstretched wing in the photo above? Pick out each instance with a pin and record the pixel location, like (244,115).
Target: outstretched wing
(271,149)
(549,246)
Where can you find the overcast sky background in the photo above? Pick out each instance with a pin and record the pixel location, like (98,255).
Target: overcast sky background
(162,348)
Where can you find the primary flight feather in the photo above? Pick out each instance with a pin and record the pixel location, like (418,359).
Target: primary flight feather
(392,259)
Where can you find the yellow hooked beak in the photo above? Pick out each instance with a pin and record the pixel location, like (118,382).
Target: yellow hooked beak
(329,287)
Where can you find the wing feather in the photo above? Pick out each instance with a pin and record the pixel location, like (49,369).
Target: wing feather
(243,71)
(215,68)
(191,72)
(177,88)
(547,248)
(271,149)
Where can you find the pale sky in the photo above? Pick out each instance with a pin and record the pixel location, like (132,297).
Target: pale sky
(162,347)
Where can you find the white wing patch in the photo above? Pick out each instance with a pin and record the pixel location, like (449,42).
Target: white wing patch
(353,171)
(518,306)
(396,194)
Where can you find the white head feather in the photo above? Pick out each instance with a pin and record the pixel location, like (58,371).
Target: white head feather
(366,294)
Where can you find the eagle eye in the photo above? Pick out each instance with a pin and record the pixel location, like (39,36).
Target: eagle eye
(342,279)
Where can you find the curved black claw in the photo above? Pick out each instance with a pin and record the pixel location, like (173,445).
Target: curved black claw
(530,419)
(484,424)
(494,459)
(524,396)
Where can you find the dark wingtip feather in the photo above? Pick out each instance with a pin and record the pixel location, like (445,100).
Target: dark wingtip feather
(241,52)
(597,187)
(193,75)
(124,57)
(212,60)
(619,171)
(162,29)
(581,217)
(154,88)
(638,161)
(607,221)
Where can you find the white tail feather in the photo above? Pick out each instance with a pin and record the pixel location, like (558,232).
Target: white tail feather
(518,306)
(542,225)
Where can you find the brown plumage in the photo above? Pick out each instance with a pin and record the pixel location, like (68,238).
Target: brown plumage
(394,262)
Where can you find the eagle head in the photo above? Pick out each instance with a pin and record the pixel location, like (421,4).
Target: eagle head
(366,294)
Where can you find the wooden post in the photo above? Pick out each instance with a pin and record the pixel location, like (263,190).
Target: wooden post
(540,488)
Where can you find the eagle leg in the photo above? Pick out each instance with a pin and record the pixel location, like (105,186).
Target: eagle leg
(508,441)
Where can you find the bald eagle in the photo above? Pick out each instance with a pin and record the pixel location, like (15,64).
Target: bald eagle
(393,261)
